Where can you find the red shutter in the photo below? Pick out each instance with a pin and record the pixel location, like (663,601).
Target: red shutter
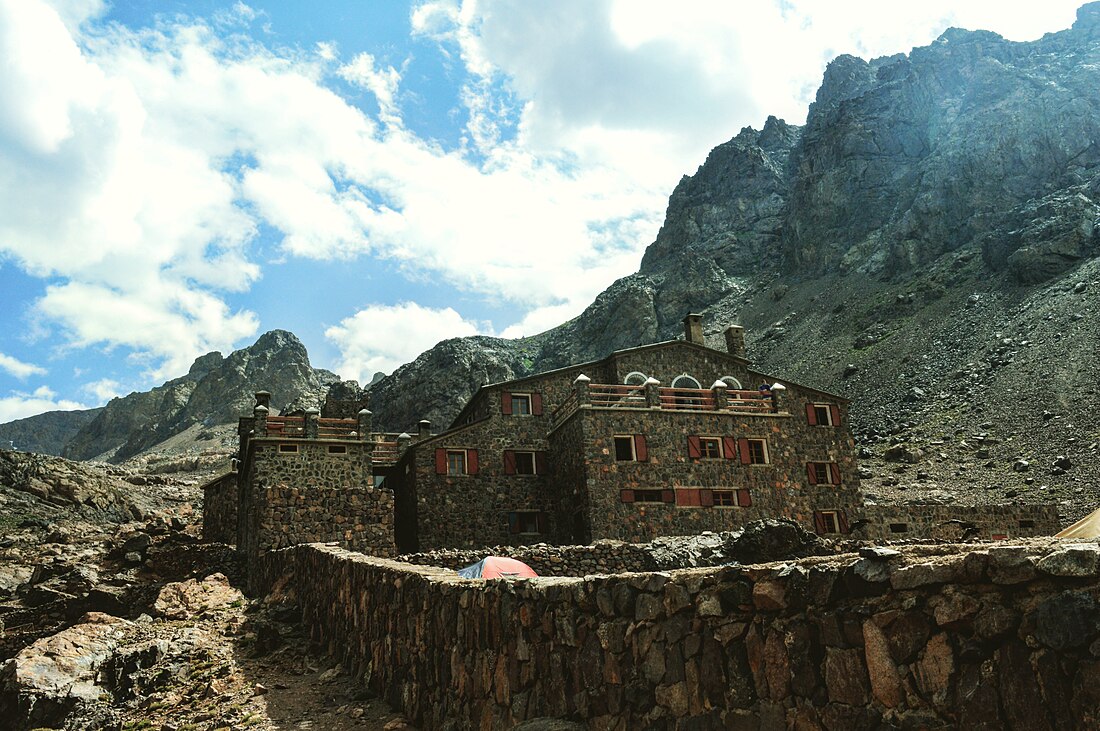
(695,450)
(513,523)
(743,449)
(536,404)
(641,453)
(668,496)
(540,522)
(540,463)
(834,468)
(744,499)
(441,461)
(505,402)
(687,498)
(842,521)
(819,522)
(471,461)
(835,410)
(811,415)
(626,496)
(706,498)
(811,473)
(729,447)
(509,462)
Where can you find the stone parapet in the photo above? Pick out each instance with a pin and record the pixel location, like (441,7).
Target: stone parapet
(219,509)
(955,522)
(946,636)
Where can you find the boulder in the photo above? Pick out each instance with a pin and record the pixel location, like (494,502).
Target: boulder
(184,599)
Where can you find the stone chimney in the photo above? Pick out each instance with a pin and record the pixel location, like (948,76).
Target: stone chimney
(424,429)
(263,398)
(693,329)
(735,340)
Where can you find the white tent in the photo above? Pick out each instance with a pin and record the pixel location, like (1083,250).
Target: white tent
(1087,527)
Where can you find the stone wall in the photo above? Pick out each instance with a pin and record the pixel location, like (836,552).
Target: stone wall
(603,557)
(955,522)
(977,636)
(312,494)
(219,509)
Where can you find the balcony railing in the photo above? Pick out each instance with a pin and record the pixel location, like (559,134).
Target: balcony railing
(654,396)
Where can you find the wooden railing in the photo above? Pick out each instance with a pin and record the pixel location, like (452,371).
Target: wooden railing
(286,426)
(385,452)
(750,401)
(687,399)
(617,396)
(337,429)
(612,394)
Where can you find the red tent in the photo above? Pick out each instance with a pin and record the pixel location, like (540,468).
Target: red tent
(496,567)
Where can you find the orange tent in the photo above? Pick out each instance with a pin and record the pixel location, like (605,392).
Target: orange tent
(496,567)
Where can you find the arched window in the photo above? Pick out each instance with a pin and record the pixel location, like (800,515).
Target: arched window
(635,379)
(732,382)
(685,381)
(637,393)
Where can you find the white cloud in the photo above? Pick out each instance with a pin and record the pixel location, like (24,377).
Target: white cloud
(18,368)
(103,390)
(21,405)
(382,337)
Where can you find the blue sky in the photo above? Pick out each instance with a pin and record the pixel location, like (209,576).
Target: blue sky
(179,177)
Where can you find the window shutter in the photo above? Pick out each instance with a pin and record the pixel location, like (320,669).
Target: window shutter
(706,498)
(626,496)
(811,415)
(729,447)
(819,522)
(441,461)
(744,499)
(695,450)
(834,468)
(811,473)
(513,523)
(509,462)
(536,404)
(540,522)
(540,463)
(842,521)
(668,496)
(835,411)
(471,461)
(689,498)
(743,449)
(505,402)
(641,452)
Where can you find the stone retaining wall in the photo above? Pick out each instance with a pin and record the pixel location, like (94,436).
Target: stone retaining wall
(976,637)
(955,522)
(219,509)
(599,558)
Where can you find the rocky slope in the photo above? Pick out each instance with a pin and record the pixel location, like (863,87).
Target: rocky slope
(44,433)
(215,391)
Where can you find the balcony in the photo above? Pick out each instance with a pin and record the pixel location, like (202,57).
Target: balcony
(654,396)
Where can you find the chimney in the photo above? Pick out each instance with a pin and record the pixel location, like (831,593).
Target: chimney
(693,329)
(735,340)
(263,398)
(424,429)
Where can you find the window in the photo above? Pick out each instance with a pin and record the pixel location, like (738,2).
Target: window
(1027,523)
(758,451)
(288,449)
(635,378)
(830,521)
(456,462)
(724,498)
(337,449)
(899,527)
(704,447)
(631,448)
(685,381)
(823,473)
(731,382)
(647,496)
(823,414)
(526,521)
(524,462)
(521,404)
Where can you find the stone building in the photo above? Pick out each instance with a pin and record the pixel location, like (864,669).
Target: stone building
(663,439)
(671,438)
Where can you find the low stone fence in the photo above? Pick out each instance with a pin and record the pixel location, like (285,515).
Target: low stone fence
(219,509)
(602,557)
(977,636)
(955,522)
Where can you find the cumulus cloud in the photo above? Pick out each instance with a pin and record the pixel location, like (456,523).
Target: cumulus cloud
(103,390)
(18,368)
(21,405)
(382,337)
